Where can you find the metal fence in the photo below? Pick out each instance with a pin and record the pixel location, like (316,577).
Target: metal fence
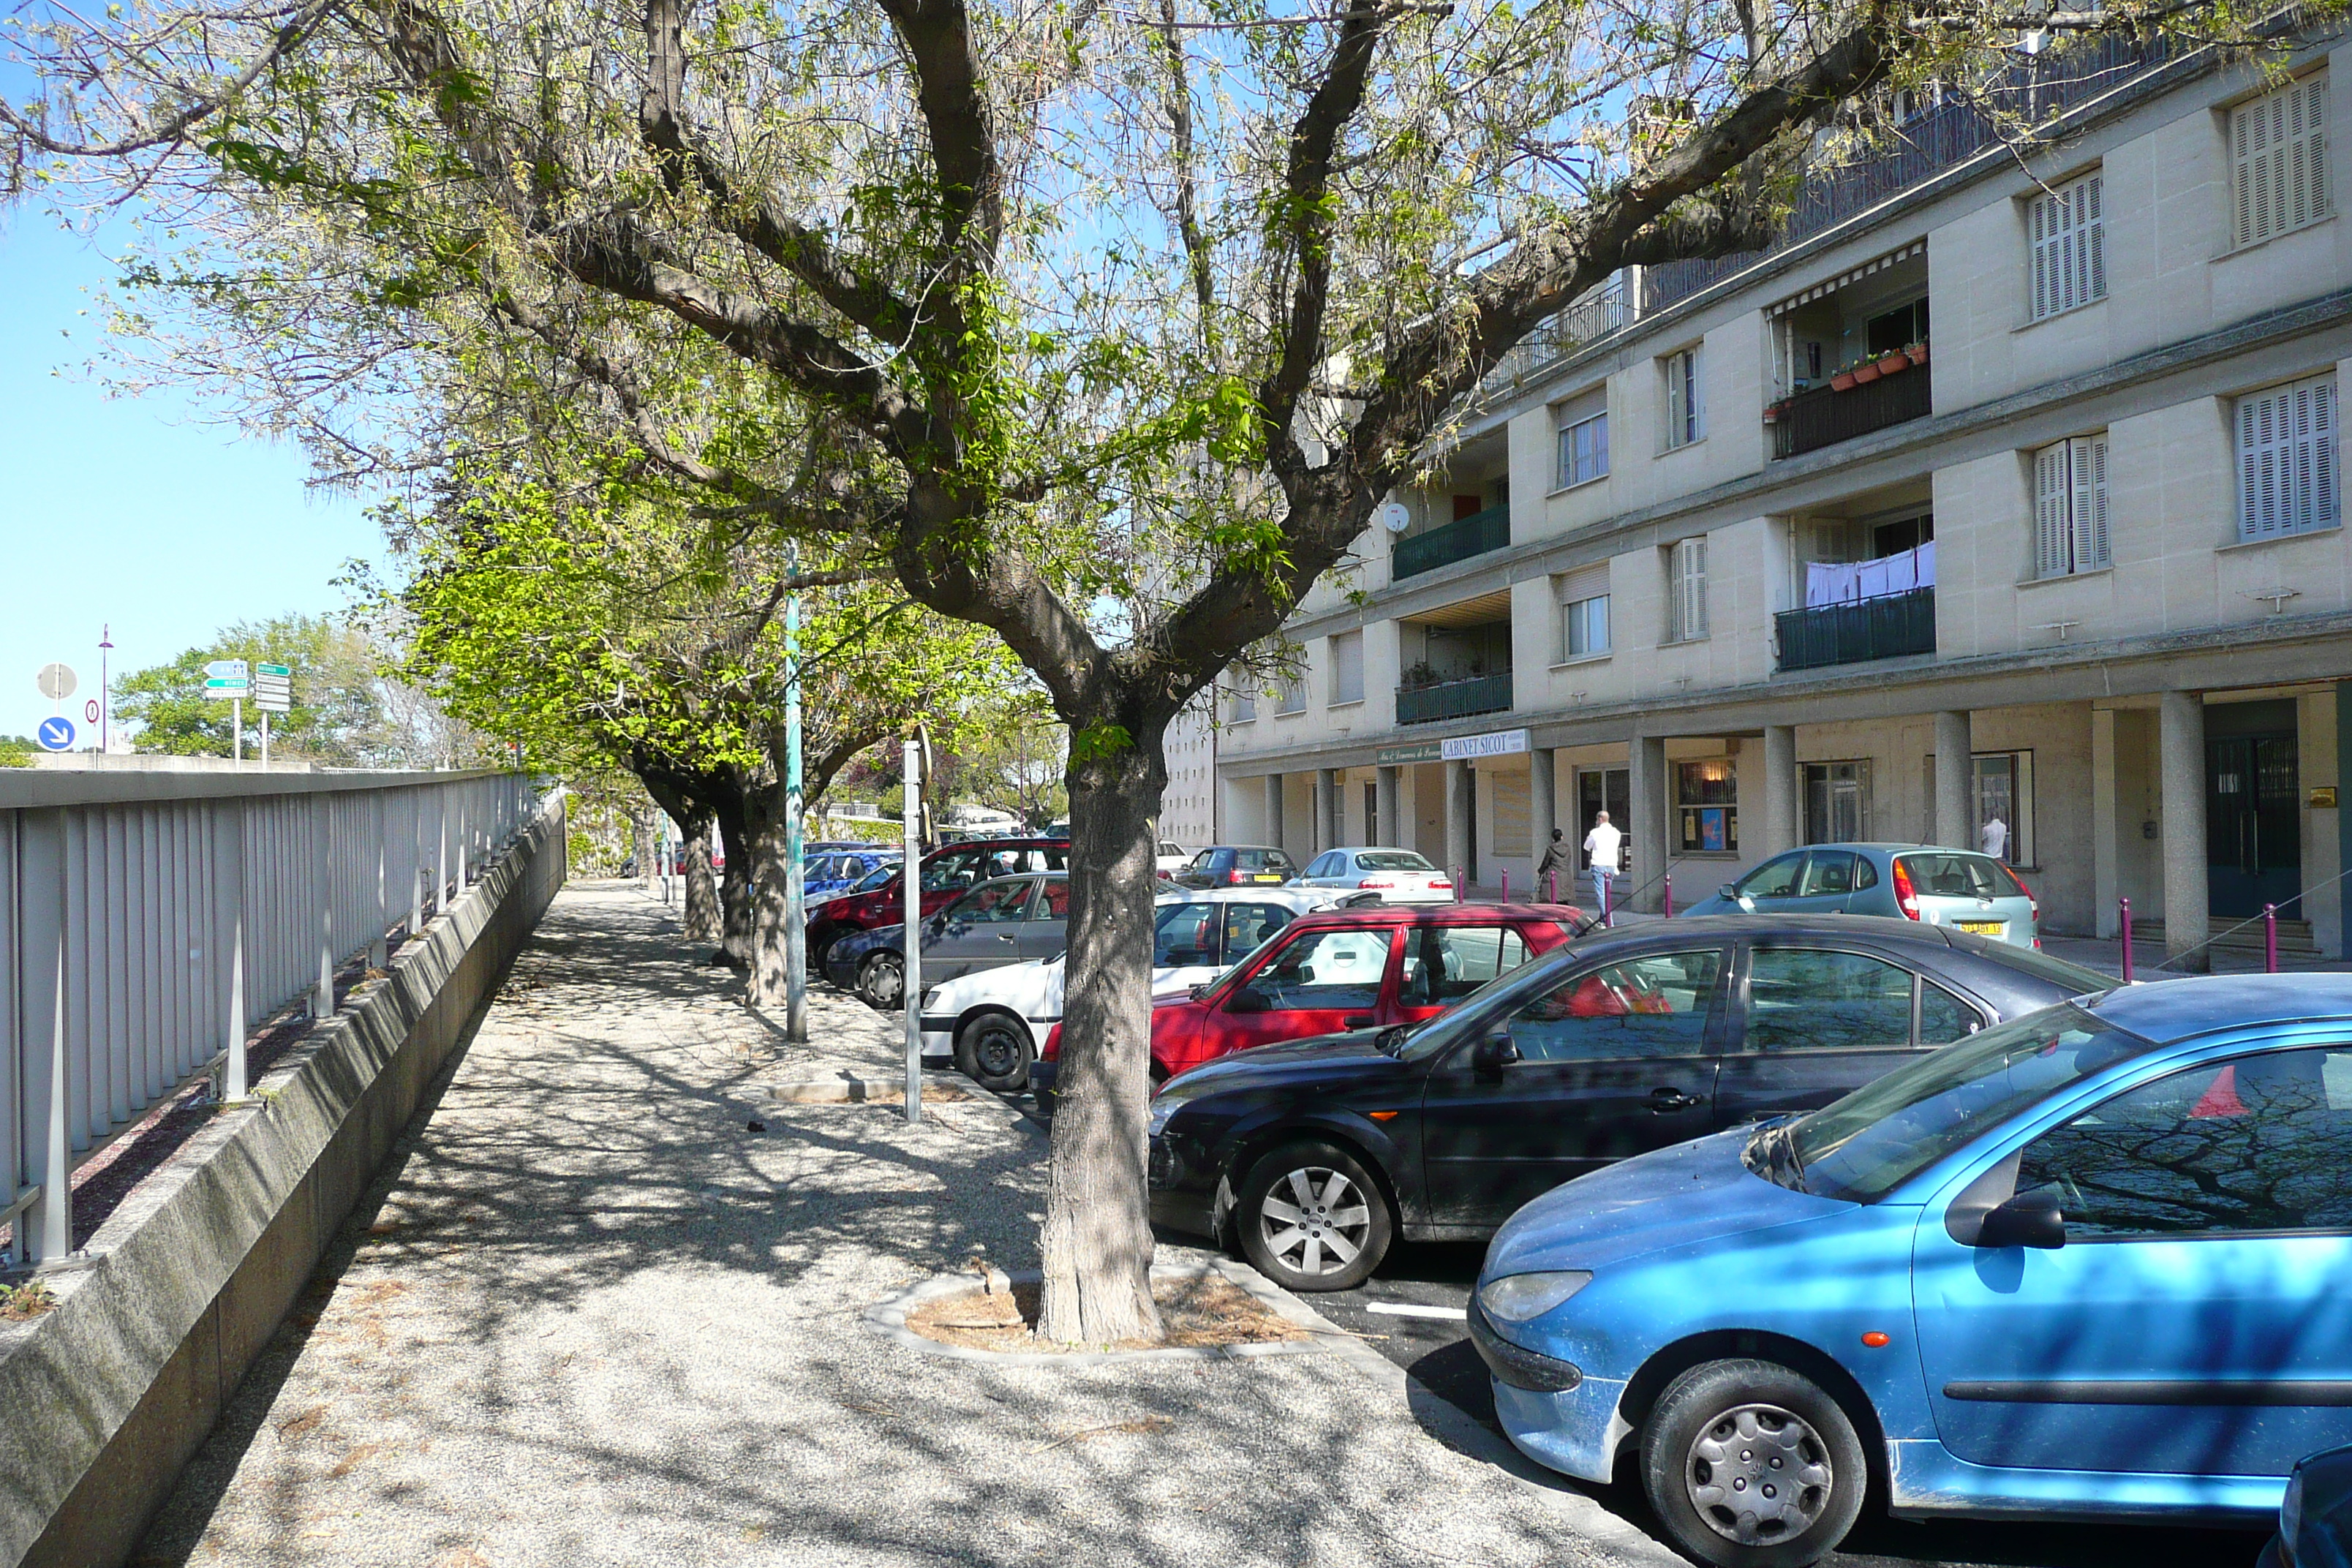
(148,920)
(1888,626)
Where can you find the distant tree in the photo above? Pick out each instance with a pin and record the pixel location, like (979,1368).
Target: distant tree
(17,751)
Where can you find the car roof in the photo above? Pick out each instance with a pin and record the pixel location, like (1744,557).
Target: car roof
(1438,915)
(1373,849)
(1277,848)
(2171,1010)
(1027,841)
(1885,847)
(1305,898)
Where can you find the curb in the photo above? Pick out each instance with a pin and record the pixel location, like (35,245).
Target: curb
(888,1316)
(849,1087)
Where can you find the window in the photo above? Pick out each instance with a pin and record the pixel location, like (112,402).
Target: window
(1772,879)
(2286,459)
(1187,935)
(1584,626)
(1054,901)
(1291,695)
(1653,1006)
(2258,1143)
(1346,667)
(1323,969)
(2001,791)
(1686,404)
(1802,999)
(1944,1018)
(1584,451)
(1706,807)
(2070,507)
(1444,964)
(959,870)
(997,902)
(2069,240)
(1837,802)
(1686,590)
(1245,707)
(1829,873)
(1327,863)
(1246,925)
(2278,159)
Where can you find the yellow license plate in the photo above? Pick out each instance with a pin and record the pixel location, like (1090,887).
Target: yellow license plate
(1979,928)
(1269,876)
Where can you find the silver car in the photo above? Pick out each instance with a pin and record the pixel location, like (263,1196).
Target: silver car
(1398,875)
(1958,887)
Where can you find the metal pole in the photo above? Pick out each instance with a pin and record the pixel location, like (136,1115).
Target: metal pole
(2270,939)
(228,850)
(322,892)
(1458,890)
(265,740)
(911,940)
(1506,884)
(1669,880)
(796,880)
(105,697)
(1607,917)
(2125,905)
(236,726)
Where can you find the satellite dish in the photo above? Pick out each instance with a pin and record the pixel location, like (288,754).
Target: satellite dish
(1396,517)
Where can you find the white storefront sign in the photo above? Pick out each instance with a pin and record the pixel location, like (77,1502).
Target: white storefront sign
(1501,743)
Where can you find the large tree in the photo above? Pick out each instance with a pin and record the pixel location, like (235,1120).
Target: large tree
(1119,321)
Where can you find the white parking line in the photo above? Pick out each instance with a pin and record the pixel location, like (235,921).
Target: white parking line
(1410,1310)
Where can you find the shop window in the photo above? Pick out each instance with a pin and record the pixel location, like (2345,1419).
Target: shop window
(1706,808)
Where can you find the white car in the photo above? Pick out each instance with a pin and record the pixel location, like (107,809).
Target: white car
(1171,858)
(1398,875)
(989,1024)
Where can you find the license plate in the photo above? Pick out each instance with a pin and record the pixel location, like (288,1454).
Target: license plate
(1979,928)
(1268,877)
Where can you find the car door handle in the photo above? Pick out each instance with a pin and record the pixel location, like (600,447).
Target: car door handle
(1006,936)
(1357,1021)
(1668,1098)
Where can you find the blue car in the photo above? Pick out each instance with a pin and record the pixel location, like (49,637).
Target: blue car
(835,872)
(2093,1263)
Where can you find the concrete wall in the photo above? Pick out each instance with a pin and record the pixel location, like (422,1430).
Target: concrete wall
(103,1399)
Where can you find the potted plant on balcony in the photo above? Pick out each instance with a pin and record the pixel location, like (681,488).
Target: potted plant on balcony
(1417,676)
(1893,361)
(1916,353)
(1842,379)
(1866,370)
(1775,412)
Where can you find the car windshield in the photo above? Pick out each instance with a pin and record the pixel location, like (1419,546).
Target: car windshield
(1864,1146)
(1954,874)
(1394,860)
(874,878)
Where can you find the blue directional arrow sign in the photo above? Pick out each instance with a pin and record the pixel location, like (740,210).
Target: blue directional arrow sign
(57,734)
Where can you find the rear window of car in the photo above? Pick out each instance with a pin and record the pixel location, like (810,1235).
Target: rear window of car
(1261,859)
(1956,876)
(1394,860)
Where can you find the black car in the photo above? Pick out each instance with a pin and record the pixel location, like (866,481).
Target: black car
(1236,865)
(1314,1154)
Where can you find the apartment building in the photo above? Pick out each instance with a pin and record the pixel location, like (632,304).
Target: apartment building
(2003,488)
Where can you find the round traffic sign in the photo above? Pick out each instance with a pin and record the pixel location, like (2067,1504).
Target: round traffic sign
(56,734)
(89,711)
(56,681)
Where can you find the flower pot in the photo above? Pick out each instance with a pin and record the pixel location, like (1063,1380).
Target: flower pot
(1888,363)
(1773,415)
(1917,353)
(1864,374)
(1842,382)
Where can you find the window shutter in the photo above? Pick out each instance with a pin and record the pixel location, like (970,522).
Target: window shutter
(1585,582)
(2070,264)
(2097,533)
(2278,148)
(2286,459)
(2095,238)
(2049,523)
(1690,588)
(2086,503)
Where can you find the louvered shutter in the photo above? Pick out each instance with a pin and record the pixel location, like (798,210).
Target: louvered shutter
(2278,150)
(1690,596)
(2086,502)
(2069,245)
(2286,459)
(2049,521)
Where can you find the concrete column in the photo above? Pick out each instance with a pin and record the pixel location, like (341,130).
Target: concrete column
(1782,815)
(1458,823)
(2107,848)
(2344,806)
(2180,747)
(1646,805)
(1391,830)
(1953,768)
(1329,830)
(1274,810)
(1543,814)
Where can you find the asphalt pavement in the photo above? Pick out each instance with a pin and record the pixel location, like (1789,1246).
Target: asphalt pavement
(1411,1311)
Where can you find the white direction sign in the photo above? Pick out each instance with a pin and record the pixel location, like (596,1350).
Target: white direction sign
(273,688)
(56,681)
(226,678)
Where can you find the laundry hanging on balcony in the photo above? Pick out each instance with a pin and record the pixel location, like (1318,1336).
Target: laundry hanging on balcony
(1850,582)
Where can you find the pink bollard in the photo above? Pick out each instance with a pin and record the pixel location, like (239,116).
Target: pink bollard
(2124,904)
(1507,886)
(1669,879)
(2270,939)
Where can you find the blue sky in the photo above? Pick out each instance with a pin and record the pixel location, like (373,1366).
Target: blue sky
(131,513)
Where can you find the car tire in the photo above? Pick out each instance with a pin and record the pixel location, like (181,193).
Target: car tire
(1342,1231)
(1727,1436)
(820,945)
(882,981)
(994,1051)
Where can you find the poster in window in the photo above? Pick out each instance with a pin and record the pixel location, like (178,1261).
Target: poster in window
(1714,835)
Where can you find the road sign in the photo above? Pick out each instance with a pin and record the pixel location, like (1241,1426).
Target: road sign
(282,671)
(56,681)
(273,693)
(226,668)
(56,734)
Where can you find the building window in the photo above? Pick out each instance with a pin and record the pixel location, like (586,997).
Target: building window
(2278,159)
(1837,802)
(1584,451)
(2070,507)
(1291,691)
(1686,590)
(2000,797)
(1346,667)
(1706,808)
(1584,627)
(2286,459)
(2070,253)
(1685,406)
(1245,707)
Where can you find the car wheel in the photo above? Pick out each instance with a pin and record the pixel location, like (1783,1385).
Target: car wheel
(820,945)
(882,981)
(1750,1464)
(994,1051)
(1312,1218)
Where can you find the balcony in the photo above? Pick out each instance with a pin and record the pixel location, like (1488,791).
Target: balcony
(1453,699)
(1885,628)
(1825,416)
(1474,535)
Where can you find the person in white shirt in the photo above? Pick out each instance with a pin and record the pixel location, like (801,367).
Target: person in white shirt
(1995,838)
(1600,844)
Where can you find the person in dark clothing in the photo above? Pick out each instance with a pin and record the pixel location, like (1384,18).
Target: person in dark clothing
(1559,861)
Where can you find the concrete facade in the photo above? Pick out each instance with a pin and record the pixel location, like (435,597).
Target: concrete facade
(2065,691)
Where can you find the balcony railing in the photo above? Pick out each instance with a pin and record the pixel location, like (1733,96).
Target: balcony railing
(1454,699)
(1472,536)
(1824,417)
(1884,627)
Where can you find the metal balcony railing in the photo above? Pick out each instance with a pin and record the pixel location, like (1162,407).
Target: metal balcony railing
(1884,627)
(1824,417)
(1474,535)
(1453,699)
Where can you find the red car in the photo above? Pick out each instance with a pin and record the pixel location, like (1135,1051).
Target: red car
(1336,970)
(946,871)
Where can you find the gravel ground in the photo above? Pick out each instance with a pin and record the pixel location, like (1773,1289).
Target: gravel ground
(589,1317)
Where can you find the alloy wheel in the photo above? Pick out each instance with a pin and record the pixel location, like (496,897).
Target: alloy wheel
(1315,1220)
(1759,1474)
(884,981)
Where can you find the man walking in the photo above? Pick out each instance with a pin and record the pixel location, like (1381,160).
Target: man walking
(1600,851)
(1557,859)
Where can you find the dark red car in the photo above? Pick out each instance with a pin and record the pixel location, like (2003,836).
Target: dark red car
(1336,970)
(946,871)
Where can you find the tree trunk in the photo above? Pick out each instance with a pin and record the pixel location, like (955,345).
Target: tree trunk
(641,826)
(769,846)
(735,887)
(705,922)
(1097,1239)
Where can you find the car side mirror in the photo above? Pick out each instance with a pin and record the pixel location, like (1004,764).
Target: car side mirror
(1726,891)
(2030,1219)
(1201,990)
(1495,1051)
(1248,999)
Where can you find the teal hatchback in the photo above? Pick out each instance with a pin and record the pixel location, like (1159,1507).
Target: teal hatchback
(1957,887)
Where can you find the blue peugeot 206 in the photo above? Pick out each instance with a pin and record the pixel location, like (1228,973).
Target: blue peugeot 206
(2093,1263)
